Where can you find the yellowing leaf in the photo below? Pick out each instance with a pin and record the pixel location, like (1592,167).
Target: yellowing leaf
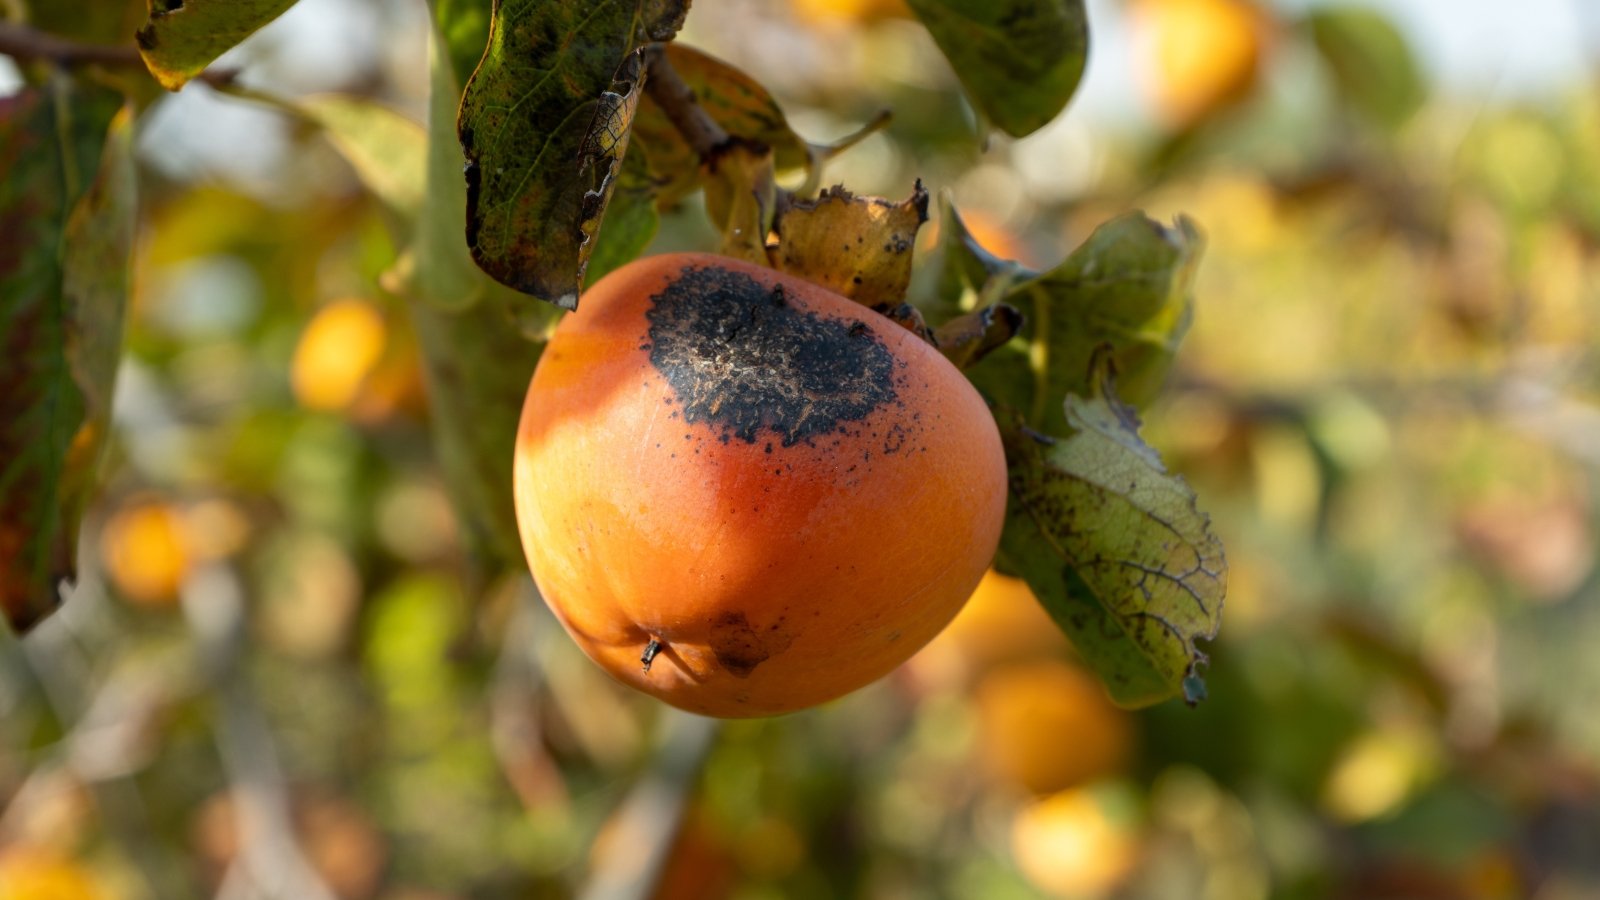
(1115,548)
(740,196)
(182,37)
(734,100)
(544,123)
(67,216)
(860,247)
(1019,60)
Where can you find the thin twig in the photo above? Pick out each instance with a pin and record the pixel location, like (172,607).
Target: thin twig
(26,44)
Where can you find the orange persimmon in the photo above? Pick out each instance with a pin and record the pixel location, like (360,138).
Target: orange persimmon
(745,494)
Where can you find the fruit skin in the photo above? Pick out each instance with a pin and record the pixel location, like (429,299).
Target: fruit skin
(787,490)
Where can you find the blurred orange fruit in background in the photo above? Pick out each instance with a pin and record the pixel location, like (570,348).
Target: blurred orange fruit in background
(1068,846)
(338,351)
(1196,57)
(1048,725)
(145,552)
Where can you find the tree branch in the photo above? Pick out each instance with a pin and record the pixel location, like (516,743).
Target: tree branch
(677,100)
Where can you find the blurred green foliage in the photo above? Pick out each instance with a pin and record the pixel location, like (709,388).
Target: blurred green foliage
(1387,399)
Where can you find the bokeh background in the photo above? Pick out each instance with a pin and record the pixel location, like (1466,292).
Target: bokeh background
(269,682)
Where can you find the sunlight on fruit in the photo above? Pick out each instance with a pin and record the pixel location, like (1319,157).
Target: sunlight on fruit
(28,873)
(1196,57)
(1001,621)
(337,352)
(1068,845)
(145,552)
(1048,726)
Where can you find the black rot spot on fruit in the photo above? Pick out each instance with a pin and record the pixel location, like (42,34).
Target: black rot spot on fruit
(743,363)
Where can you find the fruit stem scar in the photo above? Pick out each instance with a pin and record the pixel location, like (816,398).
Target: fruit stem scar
(649,655)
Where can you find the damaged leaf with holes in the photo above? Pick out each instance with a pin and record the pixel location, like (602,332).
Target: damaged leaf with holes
(67,214)
(544,124)
(1115,547)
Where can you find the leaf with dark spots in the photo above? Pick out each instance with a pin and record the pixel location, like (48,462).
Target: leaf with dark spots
(67,213)
(968,338)
(180,39)
(1128,286)
(860,247)
(1114,547)
(734,100)
(543,123)
(1020,61)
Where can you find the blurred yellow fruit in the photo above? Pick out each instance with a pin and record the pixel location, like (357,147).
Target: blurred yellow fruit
(145,553)
(1196,56)
(831,12)
(1049,726)
(28,873)
(338,351)
(1067,845)
(1002,621)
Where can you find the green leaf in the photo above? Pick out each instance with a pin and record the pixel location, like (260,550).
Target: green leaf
(1129,285)
(67,213)
(1019,60)
(544,124)
(182,37)
(1372,65)
(1115,548)
(464,27)
(970,277)
(733,100)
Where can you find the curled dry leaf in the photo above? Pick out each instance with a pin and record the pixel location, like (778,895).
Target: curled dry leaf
(860,247)
(970,337)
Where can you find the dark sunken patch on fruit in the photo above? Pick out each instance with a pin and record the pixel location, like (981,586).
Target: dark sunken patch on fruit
(742,358)
(740,647)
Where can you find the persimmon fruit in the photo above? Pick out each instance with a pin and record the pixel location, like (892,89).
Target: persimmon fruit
(745,494)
